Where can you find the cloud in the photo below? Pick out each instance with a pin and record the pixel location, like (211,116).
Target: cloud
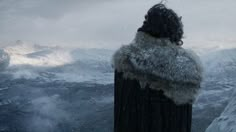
(77,22)
(41,8)
(104,23)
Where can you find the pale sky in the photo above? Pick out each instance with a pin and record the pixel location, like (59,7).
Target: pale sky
(106,23)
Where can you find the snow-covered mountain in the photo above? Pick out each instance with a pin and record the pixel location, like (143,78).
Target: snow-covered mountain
(39,81)
(57,63)
(51,88)
(223,67)
(226,122)
(217,87)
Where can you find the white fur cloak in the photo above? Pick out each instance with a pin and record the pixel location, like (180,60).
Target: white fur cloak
(161,65)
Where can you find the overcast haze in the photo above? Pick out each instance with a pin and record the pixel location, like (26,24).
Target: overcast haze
(106,23)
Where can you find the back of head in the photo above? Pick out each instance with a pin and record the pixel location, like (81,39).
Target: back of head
(161,22)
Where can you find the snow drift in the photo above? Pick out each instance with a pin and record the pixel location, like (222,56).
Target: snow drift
(227,120)
(4,60)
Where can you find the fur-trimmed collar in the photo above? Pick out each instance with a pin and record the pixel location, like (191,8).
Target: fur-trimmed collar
(162,65)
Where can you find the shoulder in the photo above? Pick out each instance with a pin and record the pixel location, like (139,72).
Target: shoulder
(162,65)
(167,62)
(120,59)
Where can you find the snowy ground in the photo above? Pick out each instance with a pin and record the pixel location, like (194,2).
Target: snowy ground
(48,89)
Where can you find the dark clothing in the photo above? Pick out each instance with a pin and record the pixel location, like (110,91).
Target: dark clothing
(147,110)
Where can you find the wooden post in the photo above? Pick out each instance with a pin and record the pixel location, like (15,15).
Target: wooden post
(146,110)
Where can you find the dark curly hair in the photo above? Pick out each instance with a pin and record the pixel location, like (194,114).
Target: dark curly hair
(162,22)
